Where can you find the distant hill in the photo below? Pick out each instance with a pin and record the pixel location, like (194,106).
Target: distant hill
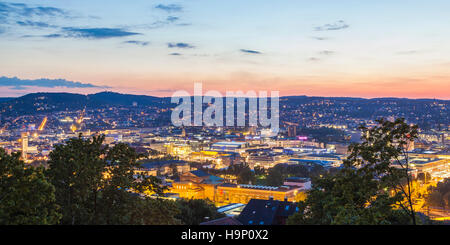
(111,98)
(6,99)
(329,109)
(37,103)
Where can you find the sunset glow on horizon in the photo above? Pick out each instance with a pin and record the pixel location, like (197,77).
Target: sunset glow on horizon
(320,48)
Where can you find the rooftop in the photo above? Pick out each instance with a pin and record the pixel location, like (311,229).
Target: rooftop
(266,212)
(226,143)
(199,173)
(154,164)
(223,221)
(229,207)
(258,187)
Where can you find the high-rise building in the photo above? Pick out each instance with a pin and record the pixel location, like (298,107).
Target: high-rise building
(24,145)
(292,131)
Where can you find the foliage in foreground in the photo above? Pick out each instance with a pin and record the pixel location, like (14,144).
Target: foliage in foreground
(88,183)
(95,184)
(26,196)
(195,211)
(368,190)
(439,195)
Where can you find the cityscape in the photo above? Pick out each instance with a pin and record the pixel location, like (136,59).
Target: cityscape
(355,137)
(231,166)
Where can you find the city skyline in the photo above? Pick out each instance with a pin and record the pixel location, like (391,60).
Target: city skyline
(367,50)
(205,113)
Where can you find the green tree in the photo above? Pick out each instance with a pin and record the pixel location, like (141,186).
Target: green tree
(116,203)
(96,184)
(76,171)
(259,170)
(245,175)
(374,186)
(439,196)
(196,211)
(275,176)
(435,199)
(156,212)
(26,196)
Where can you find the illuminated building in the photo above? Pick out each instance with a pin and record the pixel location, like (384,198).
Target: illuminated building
(323,159)
(301,141)
(229,146)
(197,185)
(339,148)
(146,172)
(32,150)
(333,126)
(162,167)
(158,146)
(303,183)
(66,120)
(230,158)
(203,156)
(32,127)
(232,193)
(24,145)
(176,149)
(221,159)
(231,210)
(437,168)
(200,185)
(430,155)
(292,131)
(263,160)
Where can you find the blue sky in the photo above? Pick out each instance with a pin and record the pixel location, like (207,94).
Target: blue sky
(328,48)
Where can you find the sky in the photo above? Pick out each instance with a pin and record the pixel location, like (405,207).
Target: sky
(316,48)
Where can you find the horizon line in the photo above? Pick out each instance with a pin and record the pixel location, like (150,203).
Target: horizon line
(286,96)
